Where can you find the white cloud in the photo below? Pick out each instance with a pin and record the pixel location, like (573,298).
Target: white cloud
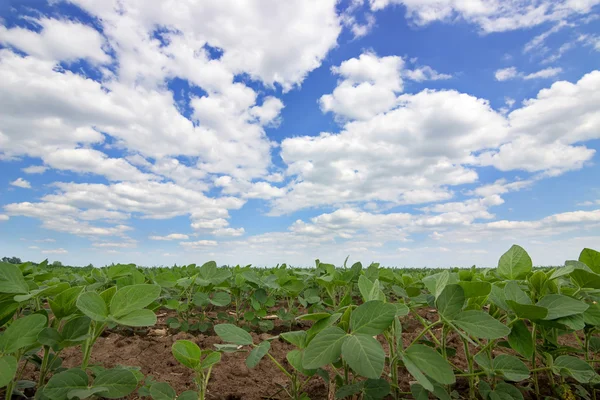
(22,183)
(55,251)
(488,15)
(172,236)
(512,73)
(35,169)
(58,40)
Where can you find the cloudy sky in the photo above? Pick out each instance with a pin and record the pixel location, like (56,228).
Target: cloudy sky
(410,132)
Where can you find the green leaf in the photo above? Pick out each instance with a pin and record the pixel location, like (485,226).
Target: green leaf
(162,391)
(374,389)
(119,382)
(589,257)
(65,303)
(11,279)
(85,393)
(22,333)
(187,353)
(372,317)
(475,288)
(210,358)
(324,348)
(221,299)
(577,369)
(480,325)
(515,263)
(364,355)
(585,279)
(92,305)
(257,354)
(591,316)
(297,338)
(416,372)
(510,367)
(131,298)
(431,363)
(8,369)
(520,339)
(296,359)
(561,306)
(513,292)
(142,317)
(451,301)
(233,334)
(527,311)
(188,395)
(62,383)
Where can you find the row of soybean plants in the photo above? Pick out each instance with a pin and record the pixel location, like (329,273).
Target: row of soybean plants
(511,328)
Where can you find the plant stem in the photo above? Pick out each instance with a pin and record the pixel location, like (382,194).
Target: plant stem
(44,367)
(533,359)
(471,373)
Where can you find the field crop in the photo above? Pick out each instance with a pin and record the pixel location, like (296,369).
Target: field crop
(353,332)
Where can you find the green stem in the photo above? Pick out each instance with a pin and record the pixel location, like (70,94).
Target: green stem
(424,331)
(470,364)
(279,366)
(533,359)
(44,367)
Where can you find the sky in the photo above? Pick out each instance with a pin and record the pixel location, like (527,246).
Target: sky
(407,132)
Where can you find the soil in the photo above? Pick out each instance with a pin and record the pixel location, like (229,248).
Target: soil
(150,349)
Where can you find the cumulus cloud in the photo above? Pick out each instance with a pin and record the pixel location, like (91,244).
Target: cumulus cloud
(22,183)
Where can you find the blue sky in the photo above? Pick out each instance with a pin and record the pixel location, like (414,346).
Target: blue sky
(407,132)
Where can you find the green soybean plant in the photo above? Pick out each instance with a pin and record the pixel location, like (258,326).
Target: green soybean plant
(121,307)
(200,361)
(20,336)
(74,383)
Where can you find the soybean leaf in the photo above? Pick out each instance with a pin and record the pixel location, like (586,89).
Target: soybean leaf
(187,353)
(188,395)
(233,334)
(374,389)
(527,311)
(210,358)
(475,288)
(324,348)
(515,263)
(8,369)
(257,354)
(364,355)
(480,325)
(589,257)
(92,305)
(571,366)
(22,333)
(295,358)
(510,367)
(416,372)
(142,317)
(297,338)
(62,383)
(451,301)
(431,363)
(11,279)
(585,279)
(131,298)
(512,291)
(561,306)
(119,382)
(220,299)
(520,339)
(372,317)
